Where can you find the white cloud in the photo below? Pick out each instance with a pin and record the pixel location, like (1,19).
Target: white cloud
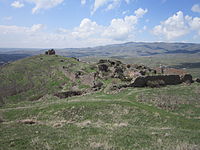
(173,27)
(88,33)
(18,29)
(17,4)
(36,27)
(62,30)
(140,12)
(122,29)
(111,4)
(98,3)
(86,29)
(44,4)
(119,29)
(23,37)
(34,36)
(195,24)
(177,26)
(83,2)
(196,8)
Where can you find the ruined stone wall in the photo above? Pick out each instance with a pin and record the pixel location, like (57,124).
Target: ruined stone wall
(168,80)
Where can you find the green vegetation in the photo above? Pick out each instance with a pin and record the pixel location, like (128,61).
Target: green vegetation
(34,77)
(102,121)
(130,118)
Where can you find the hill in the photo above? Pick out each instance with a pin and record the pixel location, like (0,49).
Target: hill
(134,49)
(124,50)
(33,77)
(37,114)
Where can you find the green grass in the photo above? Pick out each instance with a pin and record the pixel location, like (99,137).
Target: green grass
(31,78)
(132,118)
(100,121)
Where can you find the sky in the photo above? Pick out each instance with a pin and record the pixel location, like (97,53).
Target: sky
(88,23)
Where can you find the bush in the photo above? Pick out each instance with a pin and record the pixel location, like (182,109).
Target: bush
(156,83)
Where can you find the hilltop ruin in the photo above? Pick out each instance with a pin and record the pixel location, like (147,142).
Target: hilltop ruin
(50,52)
(141,76)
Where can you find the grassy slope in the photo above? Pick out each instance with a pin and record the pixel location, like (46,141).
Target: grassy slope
(33,77)
(135,118)
(103,121)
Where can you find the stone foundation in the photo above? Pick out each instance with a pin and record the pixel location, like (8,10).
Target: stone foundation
(166,80)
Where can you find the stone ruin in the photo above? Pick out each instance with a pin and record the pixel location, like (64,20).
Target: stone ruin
(131,75)
(50,52)
(142,76)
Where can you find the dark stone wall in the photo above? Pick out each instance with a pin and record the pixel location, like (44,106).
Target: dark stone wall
(168,80)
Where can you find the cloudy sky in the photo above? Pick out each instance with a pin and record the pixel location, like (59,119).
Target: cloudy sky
(85,23)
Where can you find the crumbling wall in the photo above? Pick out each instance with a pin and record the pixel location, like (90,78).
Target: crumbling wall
(167,79)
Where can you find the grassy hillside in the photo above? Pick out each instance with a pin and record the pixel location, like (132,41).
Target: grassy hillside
(131,118)
(127,120)
(33,77)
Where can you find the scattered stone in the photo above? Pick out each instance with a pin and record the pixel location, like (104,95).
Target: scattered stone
(78,74)
(118,63)
(198,80)
(65,67)
(128,66)
(142,72)
(103,67)
(101,61)
(68,94)
(118,87)
(97,85)
(119,70)
(110,62)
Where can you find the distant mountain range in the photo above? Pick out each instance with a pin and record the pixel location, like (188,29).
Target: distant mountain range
(125,50)
(134,49)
